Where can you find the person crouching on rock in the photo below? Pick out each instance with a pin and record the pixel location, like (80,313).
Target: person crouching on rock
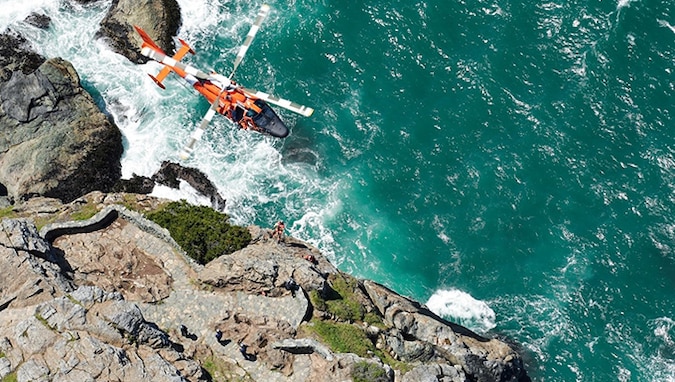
(278,232)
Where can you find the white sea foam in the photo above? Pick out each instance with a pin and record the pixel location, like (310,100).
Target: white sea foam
(247,168)
(184,191)
(460,307)
(666,24)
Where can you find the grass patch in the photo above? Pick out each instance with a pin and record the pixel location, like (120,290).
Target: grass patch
(44,322)
(7,212)
(85,212)
(11,377)
(349,338)
(342,338)
(343,303)
(73,300)
(203,233)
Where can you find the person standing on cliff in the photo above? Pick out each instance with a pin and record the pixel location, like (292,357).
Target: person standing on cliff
(278,232)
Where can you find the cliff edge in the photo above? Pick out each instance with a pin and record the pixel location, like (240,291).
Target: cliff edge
(114,297)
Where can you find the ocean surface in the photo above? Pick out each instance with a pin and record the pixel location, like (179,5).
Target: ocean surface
(509,163)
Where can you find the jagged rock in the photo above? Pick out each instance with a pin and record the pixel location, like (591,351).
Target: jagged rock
(136,185)
(27,278)
(128,318)
(264,267)
(481,359)
(434,373)
(159,18)
(66,340)
(16,54)
(55,141)
(170,174)
(38,20)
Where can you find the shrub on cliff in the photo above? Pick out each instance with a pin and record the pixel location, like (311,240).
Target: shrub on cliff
(369,372)
(202,232)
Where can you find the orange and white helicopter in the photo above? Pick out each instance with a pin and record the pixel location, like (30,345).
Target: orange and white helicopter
(247,108)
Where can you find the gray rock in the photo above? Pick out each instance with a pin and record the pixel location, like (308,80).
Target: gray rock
(55,142)
(159,18)
(480,358)
(22,235)
(16,54)
(434,373)
(127,318)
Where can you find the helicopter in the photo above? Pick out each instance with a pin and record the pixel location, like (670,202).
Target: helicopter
(247,108)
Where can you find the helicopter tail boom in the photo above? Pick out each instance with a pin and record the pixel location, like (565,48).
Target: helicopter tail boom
(151,50)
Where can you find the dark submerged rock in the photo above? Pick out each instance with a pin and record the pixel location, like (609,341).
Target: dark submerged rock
(170,175)
(38,20)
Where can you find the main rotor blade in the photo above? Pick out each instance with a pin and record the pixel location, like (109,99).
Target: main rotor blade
(199,131)
(264,10)
(286,104)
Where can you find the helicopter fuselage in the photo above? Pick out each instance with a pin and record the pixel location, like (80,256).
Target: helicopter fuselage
(246,111)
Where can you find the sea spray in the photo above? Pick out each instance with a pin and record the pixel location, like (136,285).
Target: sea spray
(460,307)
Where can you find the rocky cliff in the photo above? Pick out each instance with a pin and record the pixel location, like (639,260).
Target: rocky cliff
(105,298)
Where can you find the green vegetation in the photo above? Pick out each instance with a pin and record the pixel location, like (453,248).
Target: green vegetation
(343,338)
(11,377)
(350,338)
(203,233)
(73,300)
(221,370)
(368,372)
(85,212)
(7,212)
(344,303)
(44,322)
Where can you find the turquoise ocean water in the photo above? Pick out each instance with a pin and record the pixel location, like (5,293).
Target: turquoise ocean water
(511,164)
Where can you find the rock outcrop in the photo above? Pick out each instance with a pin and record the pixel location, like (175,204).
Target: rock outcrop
(170,174)
(159,18)
(108,297)
(55,140)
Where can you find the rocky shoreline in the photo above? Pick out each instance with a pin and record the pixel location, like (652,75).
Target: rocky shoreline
(112,296)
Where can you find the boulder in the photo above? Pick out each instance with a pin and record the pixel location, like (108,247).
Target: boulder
(481,359)
(265,266)
(159,18)
(170,174)
(16,54)
(38,20)
(27,279)
(55,140)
